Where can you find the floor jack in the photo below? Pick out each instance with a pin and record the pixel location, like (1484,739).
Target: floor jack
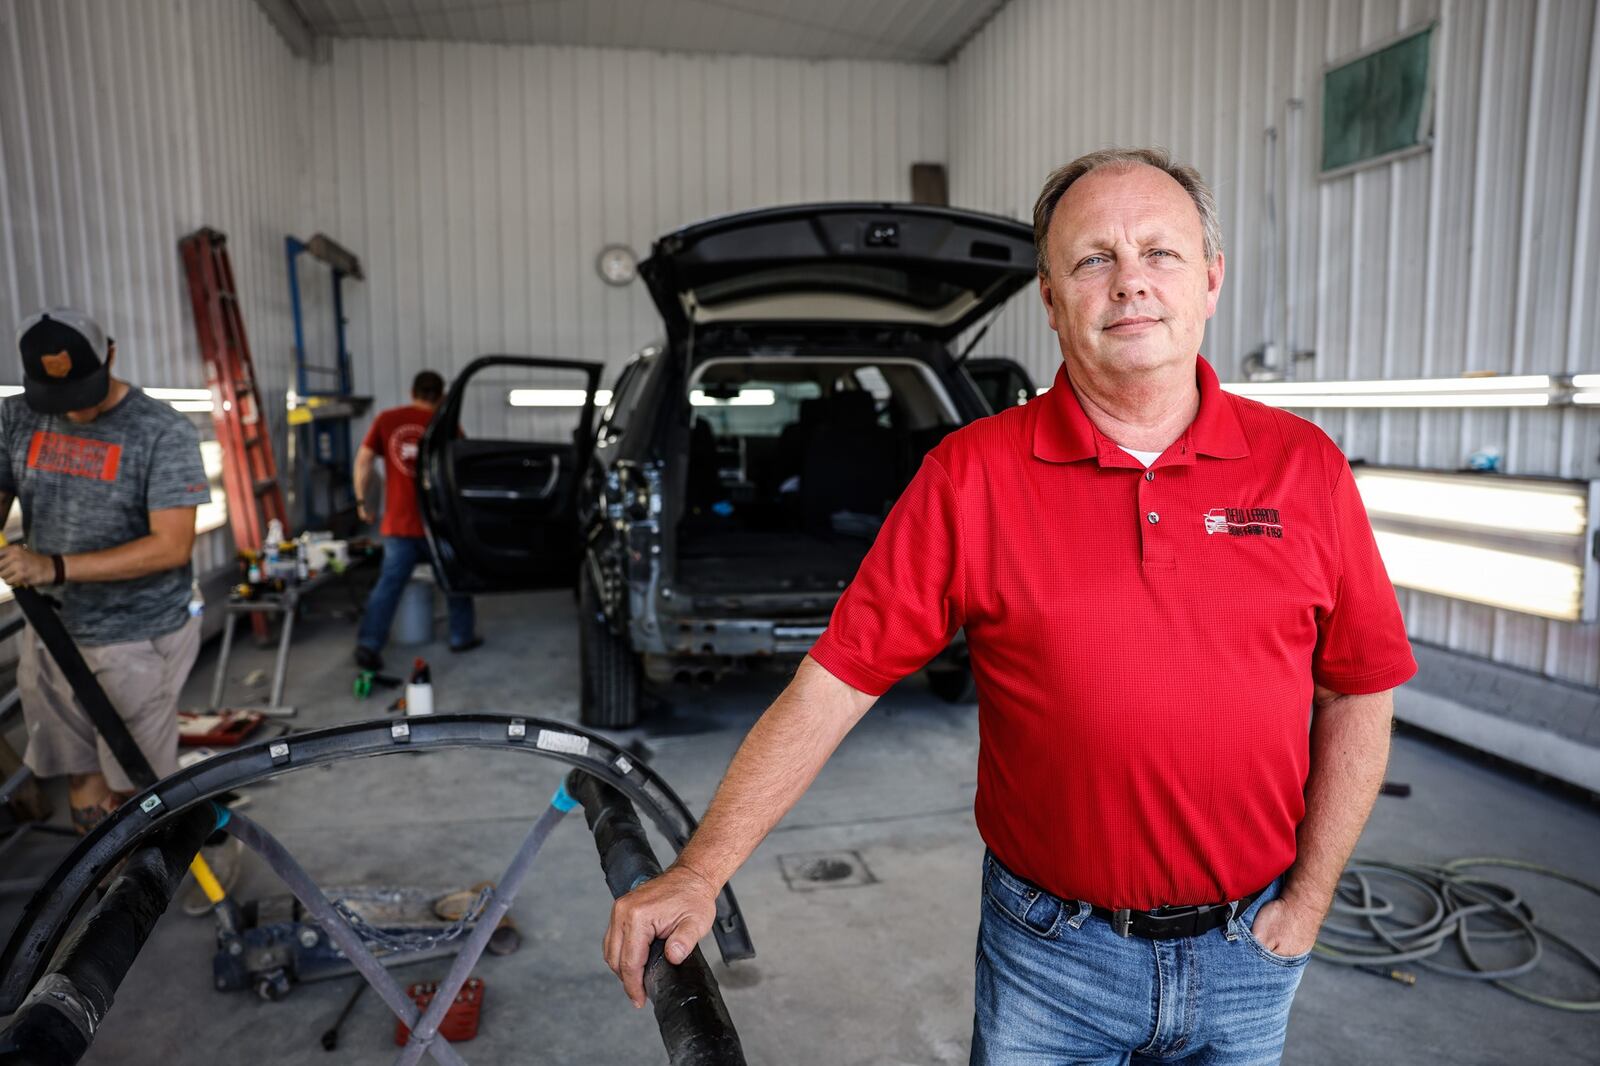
(271,944)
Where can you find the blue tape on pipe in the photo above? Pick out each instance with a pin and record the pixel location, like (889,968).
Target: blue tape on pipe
(223,814)
(562,800)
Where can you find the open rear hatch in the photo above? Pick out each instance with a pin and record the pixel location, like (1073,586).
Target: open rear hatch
(936,268)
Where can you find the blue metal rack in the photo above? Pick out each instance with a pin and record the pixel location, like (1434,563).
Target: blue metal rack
(324,403)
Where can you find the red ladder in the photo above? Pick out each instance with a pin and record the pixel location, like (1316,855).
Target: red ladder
(250,473)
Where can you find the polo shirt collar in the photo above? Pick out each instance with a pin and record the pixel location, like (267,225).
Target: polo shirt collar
(1062,433)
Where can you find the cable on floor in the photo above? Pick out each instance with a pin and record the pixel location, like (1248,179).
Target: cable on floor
(1364,929)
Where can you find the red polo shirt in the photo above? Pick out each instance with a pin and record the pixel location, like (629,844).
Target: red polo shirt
(396,435)
(1144,642)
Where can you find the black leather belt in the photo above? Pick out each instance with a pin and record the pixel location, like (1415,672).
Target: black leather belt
(1162,923)
(1171,923)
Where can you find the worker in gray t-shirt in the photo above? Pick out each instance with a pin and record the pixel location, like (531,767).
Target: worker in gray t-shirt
(109,480)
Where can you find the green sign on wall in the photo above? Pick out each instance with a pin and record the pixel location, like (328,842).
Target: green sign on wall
(1379,103)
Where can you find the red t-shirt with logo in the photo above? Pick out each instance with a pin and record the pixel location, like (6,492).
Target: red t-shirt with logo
(1145,643)
(396,435)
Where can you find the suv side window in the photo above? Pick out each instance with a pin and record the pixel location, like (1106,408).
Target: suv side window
(624,397)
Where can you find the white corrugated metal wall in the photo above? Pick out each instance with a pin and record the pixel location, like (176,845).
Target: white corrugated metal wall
(1479,255)
(170,114)
(479,182)
(250,144)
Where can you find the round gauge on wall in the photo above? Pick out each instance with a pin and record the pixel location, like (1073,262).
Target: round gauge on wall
(617,264)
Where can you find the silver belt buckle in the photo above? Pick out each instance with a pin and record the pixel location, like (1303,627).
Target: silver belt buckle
(1122,922)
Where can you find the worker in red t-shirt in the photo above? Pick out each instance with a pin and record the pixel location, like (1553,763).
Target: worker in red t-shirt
(395,437)
(1184,643)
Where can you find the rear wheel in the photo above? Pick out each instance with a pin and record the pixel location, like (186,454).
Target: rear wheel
(953,684)
(609,668)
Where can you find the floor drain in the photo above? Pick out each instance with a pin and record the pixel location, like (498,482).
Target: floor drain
(829,869)
(824,869)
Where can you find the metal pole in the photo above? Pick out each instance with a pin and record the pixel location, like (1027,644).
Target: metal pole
(280,670)
(306,891)
(221,678)
(426,1030)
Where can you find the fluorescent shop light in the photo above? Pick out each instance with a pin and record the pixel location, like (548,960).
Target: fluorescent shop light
(1586,381)
(556,397)
(1459,399)
(1526,583)
(746,398)
(1476,500)
(178,394)
(1399,387)
(1520,390)
(1586,397)
(181,399)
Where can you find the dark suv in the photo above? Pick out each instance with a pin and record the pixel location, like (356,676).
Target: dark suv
(742,466)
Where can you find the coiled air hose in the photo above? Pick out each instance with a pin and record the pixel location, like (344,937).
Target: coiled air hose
(1452,897)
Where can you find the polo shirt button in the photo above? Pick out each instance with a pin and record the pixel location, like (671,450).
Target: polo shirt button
(1153,517)
(1149,475)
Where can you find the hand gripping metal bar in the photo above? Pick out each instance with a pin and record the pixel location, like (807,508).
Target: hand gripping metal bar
(426,1029)
(695,1025)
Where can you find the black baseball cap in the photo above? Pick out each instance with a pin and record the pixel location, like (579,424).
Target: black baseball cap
(64,365)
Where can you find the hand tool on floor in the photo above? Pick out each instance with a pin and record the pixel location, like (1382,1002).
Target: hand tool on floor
(330,1038)
(40,611)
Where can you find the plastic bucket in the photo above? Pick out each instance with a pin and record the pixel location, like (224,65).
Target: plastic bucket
(414,616)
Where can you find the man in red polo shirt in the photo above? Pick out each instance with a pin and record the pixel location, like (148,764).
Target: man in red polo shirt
(1184,643)
(395,436)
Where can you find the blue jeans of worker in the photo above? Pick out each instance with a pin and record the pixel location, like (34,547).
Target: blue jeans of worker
(400,557)
(1055,985)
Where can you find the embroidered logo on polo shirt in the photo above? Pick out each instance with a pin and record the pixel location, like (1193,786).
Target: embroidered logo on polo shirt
(1244,522)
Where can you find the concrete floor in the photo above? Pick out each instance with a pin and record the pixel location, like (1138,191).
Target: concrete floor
(866,975)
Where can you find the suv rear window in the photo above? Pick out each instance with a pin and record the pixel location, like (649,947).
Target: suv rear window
(793,445)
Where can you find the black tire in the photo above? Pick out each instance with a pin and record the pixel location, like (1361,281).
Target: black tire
(953,684)
(611,680)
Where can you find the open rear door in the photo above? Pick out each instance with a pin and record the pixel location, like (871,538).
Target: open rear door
(499,471)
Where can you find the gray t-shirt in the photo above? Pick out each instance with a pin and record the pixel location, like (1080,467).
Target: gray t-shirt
(89,487)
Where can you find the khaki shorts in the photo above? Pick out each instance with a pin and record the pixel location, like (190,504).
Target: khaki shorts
(142,678)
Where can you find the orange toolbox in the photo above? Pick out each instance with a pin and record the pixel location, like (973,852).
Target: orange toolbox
(460,1021)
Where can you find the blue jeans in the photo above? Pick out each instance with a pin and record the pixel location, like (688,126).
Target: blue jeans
(1055,985)
(400,557)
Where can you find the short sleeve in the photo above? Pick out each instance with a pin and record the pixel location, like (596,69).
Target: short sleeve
(1361,643)
(907,600)
(8,483)
(177,473)
(375,435)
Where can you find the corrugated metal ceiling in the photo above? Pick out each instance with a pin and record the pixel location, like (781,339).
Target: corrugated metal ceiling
(906,30)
